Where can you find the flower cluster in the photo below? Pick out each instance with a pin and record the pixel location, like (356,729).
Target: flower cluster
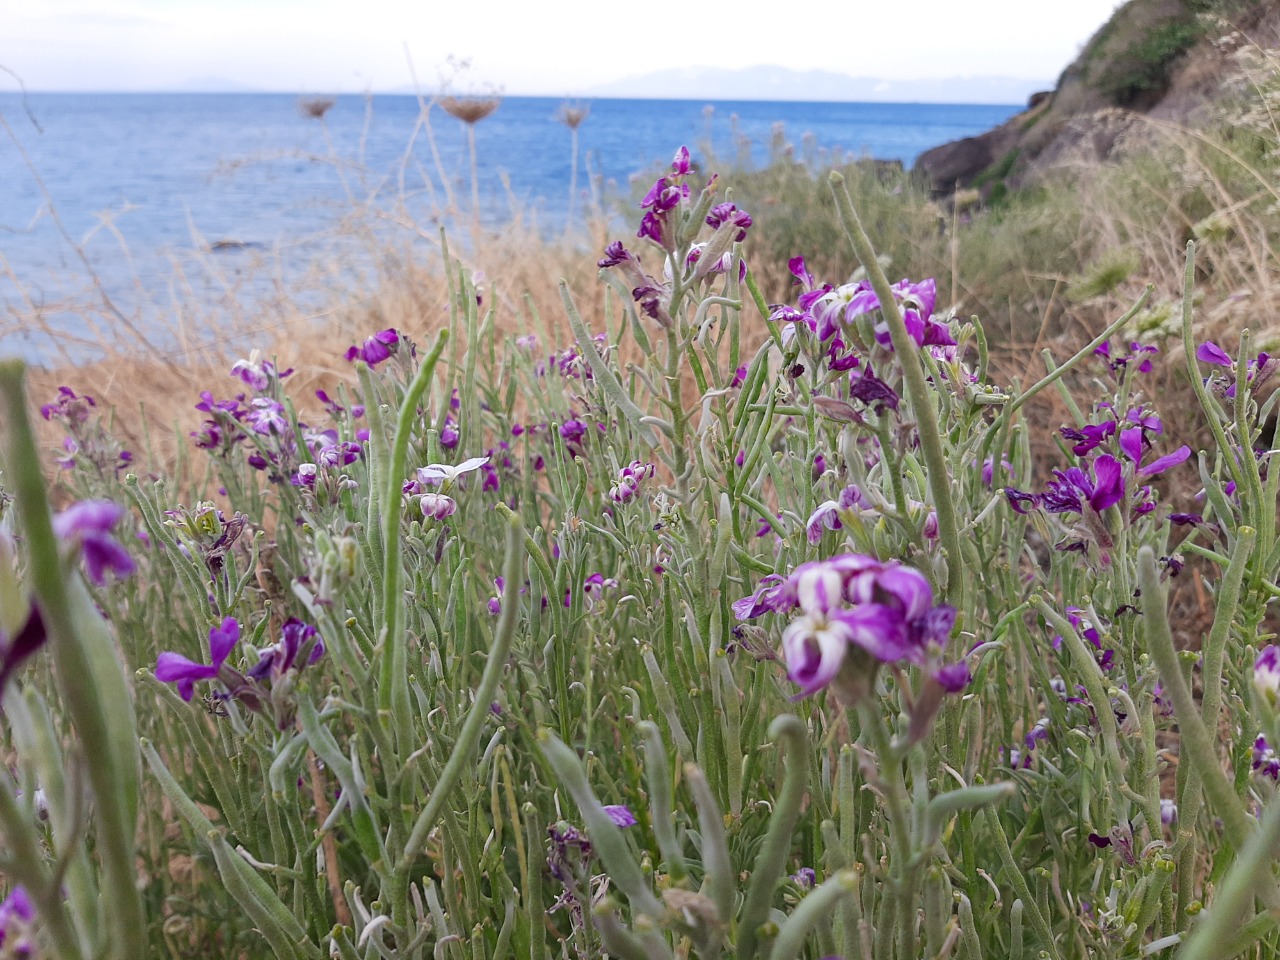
(1103,480)
(322,477)
(856,612)
(1259,370)
(87,440)
(207,532)
(436,504)
(628,482)
(663,205)
(266,687)
(830,312)
(663,197)
(1139,357)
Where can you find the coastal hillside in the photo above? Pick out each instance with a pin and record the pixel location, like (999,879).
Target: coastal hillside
(1153,62)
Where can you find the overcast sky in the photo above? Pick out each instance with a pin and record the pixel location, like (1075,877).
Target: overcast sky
(553,47)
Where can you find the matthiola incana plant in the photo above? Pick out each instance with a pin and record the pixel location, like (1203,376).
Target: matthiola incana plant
(695,626)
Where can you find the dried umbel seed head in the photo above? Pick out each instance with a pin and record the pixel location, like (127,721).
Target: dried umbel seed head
(315,108)
(572,116)
(470,109)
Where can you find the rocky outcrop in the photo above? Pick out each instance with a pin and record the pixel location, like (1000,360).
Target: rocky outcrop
(1163,59)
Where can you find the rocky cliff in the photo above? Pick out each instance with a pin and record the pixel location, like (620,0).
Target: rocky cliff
(1162,59)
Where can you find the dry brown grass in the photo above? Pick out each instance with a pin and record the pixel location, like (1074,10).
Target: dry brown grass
(152,388)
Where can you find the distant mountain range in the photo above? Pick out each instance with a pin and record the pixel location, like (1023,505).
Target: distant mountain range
(753,83)
(783,83)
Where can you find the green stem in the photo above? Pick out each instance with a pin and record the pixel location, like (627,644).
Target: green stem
(1211,411)
(94,691)
(1236,894)
(1214,651)
(1018,879)
(1056,374)
(917,388)
(1196,742)
(393,683)
(771,861)
(464,747)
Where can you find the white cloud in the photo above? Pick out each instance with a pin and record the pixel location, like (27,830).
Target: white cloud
(552,46)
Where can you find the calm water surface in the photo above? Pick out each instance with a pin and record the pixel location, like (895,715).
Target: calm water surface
(145,184)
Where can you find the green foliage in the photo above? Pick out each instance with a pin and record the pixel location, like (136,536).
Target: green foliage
(1105,276)
(436,784)
(1143,68)
(998,170)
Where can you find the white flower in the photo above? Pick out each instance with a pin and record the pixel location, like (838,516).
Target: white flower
(436,473)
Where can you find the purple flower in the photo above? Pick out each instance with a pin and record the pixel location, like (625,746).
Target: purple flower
(257,376)
(1089,436)
(339,454)
(615,254)
(175,668)
(1210,352)
(305,475)
(814,649)
(620,814)
(775,594)
(1266,674)
(1073,488)
(884,608)
(1161,464)
(573,431)
(15,650)
(377,348)
(845,303)
(871,390)
(680,165)
(299,644)
(805,877)
(437,506)
(88,525)
(1265,760)
(729,216)
(267,417)
(1039,732)
(17,918)
(628,482)
(825,517)
(1139,353)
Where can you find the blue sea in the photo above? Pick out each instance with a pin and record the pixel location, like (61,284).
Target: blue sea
(139,188)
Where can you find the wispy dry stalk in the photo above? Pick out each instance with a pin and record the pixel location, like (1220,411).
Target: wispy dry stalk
(471,110)
(572,116)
